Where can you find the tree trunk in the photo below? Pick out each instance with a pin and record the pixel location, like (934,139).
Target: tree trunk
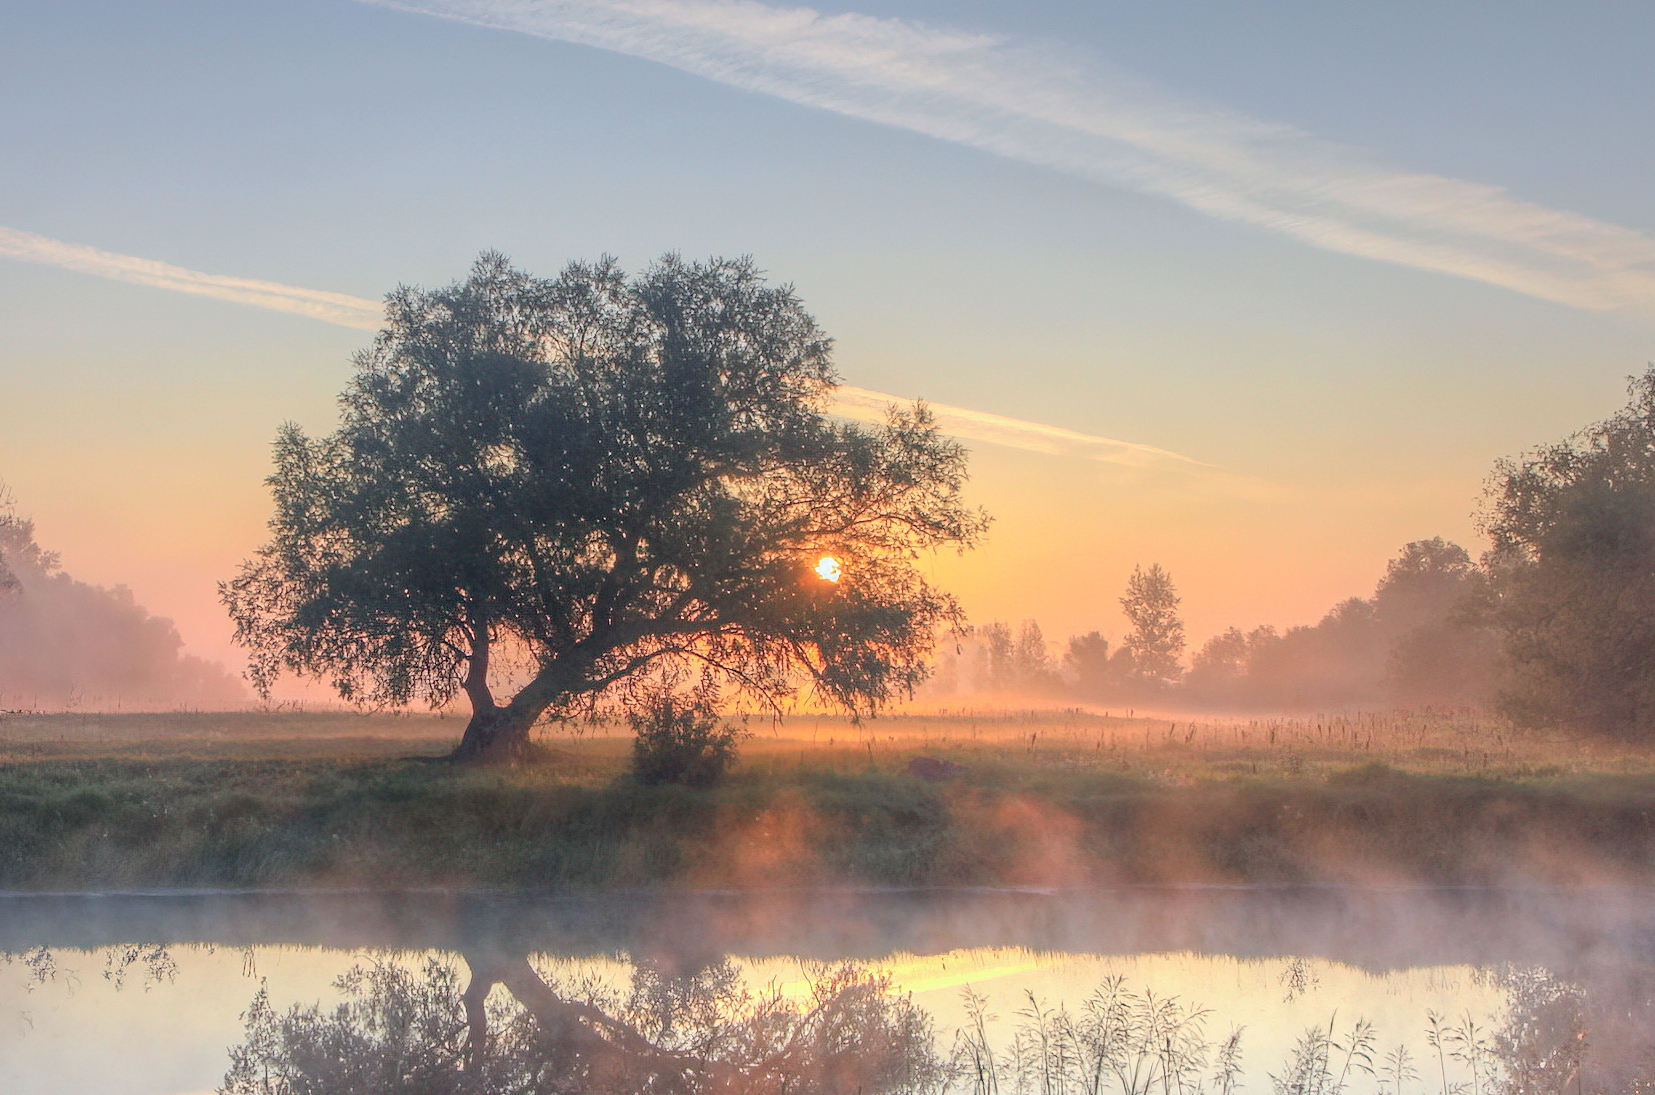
(495,733)
(476,1016)
(502,733)
(583,1040)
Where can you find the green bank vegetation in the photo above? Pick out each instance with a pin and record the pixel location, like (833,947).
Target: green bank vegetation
(1055,798)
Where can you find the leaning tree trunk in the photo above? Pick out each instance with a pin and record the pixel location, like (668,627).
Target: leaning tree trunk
(495,733)
(581,1041)
(498,732)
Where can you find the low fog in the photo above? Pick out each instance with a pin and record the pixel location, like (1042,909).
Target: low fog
(1418,641)
(66,644)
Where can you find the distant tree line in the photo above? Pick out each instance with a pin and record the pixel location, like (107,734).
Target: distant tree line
(65,643)
(1554,625)
(1419,640)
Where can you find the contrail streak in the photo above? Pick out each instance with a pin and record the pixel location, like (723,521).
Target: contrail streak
(870,406)
(1045,104)
(859,404)
(337,308)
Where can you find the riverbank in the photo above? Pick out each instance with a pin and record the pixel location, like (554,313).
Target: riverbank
(205,801)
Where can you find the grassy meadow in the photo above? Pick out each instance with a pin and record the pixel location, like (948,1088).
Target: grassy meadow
(1045,798)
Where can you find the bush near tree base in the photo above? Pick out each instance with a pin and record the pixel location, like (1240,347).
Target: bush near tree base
(681,742)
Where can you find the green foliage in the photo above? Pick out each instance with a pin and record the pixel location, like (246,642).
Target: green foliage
(681,741)
(1573,565)
(594,476)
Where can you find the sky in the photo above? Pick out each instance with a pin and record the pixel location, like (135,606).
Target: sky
(1256,292)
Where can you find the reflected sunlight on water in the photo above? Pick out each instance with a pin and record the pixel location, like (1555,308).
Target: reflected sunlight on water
(164,1029)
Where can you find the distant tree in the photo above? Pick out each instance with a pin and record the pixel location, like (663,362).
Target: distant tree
(945,671)
(999,652)
(1427,612)
(1096,672)
(1428,581)
(18,548)
(1157,636)
(9,524)
(1453,661)
(65,642)
(1086,660)
(1573,572)
(1338,661)
(593,477)
(1031,660)
(1415,641)
(1016,661)
(1220,666)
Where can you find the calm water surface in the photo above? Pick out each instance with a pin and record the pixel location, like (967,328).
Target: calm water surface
(1132,990)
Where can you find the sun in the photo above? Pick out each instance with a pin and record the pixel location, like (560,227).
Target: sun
(828,569)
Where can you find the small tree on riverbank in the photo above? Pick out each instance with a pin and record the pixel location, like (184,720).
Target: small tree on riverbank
(601,476)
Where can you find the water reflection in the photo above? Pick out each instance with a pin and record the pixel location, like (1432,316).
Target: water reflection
(432,1030)
(419,1031)
(748,1004)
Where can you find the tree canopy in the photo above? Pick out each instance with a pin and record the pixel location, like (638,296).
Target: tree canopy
(592,477)
(1573,573)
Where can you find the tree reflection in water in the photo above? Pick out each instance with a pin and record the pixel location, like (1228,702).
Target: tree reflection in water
(405,1032)
(493,1024)
(433,1031)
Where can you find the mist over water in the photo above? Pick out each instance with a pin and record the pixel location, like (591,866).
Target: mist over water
(1524,991)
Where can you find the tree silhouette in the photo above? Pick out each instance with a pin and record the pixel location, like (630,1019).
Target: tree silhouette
(1157,636)
(1573,574)
(596,477)
(701,1032)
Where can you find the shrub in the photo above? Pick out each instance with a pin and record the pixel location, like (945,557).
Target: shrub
(681,741)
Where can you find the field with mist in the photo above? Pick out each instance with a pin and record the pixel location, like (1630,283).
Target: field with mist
(1056,797)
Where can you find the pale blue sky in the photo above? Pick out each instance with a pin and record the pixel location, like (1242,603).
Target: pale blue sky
(344,147)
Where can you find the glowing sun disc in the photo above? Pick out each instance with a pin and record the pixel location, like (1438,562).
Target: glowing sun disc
(828,569)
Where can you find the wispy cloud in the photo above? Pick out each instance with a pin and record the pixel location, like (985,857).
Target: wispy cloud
(1045,104)
(855,403)
(870,406)
(336,308)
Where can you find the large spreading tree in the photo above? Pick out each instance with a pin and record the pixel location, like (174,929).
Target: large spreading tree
(541,490)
